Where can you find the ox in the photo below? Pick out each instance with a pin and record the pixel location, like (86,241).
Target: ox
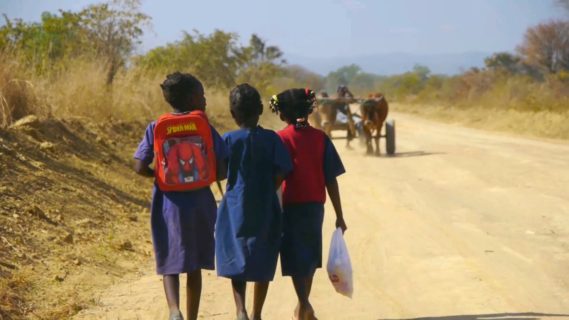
(374,112)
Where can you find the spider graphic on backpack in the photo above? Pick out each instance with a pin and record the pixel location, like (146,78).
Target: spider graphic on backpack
(185,163)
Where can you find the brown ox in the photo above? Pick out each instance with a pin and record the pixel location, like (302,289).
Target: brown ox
(373,111)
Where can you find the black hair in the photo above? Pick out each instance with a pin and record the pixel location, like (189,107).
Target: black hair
(178,87)
(245,103)
(343,90)
(294,105)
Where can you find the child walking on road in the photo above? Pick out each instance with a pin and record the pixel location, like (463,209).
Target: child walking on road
(316,166)
(249,224)
(187,150)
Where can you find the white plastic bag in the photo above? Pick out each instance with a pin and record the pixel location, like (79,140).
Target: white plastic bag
(339,266)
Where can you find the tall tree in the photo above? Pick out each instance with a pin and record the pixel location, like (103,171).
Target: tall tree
(422,71)
(213,58)
(342,76)
(260,63)
(546,46)
(218,60)
(114,28)
(109,31)
(42,45)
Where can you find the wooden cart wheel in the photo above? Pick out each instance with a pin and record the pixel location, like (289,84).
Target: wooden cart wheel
(390,137)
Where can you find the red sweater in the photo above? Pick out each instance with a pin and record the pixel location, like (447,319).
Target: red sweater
(306,183)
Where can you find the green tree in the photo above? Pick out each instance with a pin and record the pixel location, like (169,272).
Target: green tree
(422,72)
(360,83)
(114,29)
(258,51)
(363,83)
(409,83)
(260,64)
(503,61)
(214,58)
(218,60)
(41,46)
(109,31)
(342,76)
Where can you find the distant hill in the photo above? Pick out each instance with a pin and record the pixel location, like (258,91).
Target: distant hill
(395,63)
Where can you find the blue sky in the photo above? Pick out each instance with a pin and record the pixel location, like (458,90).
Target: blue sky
(337,28)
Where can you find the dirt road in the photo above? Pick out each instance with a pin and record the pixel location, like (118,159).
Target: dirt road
(462,224)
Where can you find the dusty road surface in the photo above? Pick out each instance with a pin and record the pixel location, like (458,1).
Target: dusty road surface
(462,224)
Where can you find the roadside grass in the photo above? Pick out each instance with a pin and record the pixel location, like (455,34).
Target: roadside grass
(79,91)
(537,124)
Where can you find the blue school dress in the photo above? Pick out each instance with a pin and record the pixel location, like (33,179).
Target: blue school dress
(249,220)
(182,222)
(316,162)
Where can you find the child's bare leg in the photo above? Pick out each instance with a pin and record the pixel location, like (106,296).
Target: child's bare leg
(261,289)
(172,290)
(239,290)
(308,280)
(302,286)
(309,284)
(194,290)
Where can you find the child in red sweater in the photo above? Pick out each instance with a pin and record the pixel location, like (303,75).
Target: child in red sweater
(316,166)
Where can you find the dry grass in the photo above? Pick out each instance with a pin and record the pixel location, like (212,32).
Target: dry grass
(73,215)
(80,92)
(542,124)
(18,94)
(12,303)
(498,101)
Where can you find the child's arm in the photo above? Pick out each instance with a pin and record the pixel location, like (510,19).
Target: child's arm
(279,178)
(334,193)
(221,149)
(143,168)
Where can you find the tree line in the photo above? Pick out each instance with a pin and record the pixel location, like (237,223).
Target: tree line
(110,32)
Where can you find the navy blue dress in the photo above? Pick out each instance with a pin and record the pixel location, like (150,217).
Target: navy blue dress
(301,249)
(182,222)
(249,220)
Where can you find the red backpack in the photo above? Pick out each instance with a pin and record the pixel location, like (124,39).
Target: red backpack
(185,158)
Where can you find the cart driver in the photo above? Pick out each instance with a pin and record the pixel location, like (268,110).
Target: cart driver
(344,92)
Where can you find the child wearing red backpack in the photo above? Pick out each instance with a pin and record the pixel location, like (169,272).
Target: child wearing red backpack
(316,166)
(186,151)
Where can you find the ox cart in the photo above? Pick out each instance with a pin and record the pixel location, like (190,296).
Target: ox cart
(349,115)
